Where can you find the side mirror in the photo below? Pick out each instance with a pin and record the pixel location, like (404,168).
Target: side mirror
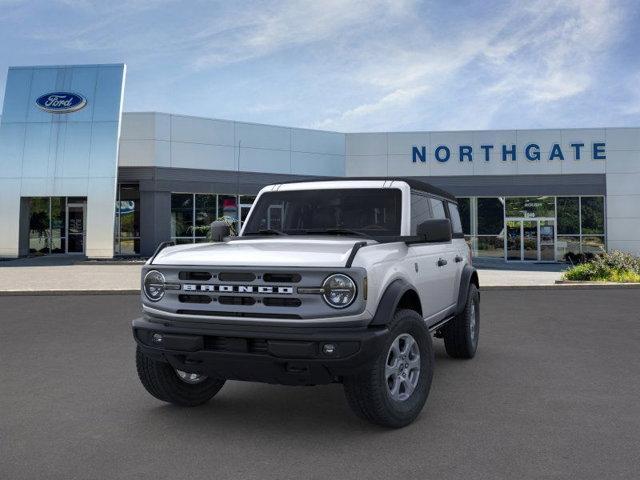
(435,230)
(219,230)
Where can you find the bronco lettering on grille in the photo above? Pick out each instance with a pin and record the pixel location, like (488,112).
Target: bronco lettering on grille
(192,287)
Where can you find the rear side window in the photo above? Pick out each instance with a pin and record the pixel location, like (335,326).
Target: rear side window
(454,214)
(420,211)
(437,208)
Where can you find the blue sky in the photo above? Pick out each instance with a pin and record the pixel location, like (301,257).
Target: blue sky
(375,65)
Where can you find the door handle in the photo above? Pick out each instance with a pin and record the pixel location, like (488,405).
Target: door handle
(442,262)
(459,258)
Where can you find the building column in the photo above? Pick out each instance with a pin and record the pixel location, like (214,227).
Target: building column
(155,220)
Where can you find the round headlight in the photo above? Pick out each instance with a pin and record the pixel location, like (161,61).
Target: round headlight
(339,291)
(153,285)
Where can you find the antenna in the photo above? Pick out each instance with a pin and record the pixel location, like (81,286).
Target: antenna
(238,213)
(238,169)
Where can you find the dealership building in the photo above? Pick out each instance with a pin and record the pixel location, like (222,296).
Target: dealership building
(80,176)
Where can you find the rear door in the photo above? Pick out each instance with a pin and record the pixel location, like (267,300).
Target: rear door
(459,245)
(432,275)
(448,267)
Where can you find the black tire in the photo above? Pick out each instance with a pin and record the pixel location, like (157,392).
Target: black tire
(461,334)
(161,380)
(368,393)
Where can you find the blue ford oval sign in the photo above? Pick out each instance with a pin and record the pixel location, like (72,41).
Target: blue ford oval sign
(61,102)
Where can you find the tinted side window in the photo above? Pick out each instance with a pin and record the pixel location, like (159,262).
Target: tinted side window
(454,214)
(437,208)
(420,211)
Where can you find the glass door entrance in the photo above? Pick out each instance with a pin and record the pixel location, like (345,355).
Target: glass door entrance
(75,227)
(530,240)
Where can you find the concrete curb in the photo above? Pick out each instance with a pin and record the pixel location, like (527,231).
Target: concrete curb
(563,286)
(9,293)
(135,291)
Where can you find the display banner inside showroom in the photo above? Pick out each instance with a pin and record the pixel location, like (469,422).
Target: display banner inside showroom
(76,180)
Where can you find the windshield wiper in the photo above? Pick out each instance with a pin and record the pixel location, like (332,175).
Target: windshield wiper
(266,231)
(339,231)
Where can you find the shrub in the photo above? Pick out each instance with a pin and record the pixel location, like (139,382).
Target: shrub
(578,258)
(615,266)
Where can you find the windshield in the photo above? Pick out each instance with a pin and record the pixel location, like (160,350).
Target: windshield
(363,212)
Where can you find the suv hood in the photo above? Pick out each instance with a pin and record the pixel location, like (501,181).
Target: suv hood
(308,251)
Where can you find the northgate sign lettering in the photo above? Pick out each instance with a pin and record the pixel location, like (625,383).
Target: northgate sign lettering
(532,152)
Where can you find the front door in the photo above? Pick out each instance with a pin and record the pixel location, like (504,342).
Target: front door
(530,240)
(75,227)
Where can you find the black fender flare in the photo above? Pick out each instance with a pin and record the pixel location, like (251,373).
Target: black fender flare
(469,276)
(389,301)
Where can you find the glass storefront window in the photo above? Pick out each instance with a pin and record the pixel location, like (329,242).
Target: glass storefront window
(127,227)
(464,207)
(593,244)
(181,215)
(567,244)
(205,213)
(193,213)
(568,216)
(592,213)
(530,207)
(490,216)
(490,246)
(48,229)
(39,225)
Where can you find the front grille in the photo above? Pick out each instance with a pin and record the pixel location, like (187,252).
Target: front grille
(282,302)
(243,292)
(281,277)
(228,300)
(194,298)
(236,277)
(196,276)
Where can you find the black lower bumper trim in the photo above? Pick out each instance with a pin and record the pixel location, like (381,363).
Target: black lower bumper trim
(306,357)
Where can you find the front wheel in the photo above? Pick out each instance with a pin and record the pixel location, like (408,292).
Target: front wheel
(175,386)
(392,390)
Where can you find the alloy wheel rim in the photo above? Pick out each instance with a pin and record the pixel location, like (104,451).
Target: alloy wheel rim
(473,322)
(402,367)
(190,378)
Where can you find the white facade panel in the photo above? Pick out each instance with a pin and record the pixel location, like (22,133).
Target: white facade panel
(367,144)
(199,155)
(139,126)
(201,130)
(264,160)
(140,153)
(303,163)
(623,184)
(366,165)
(311,141)
(623,138)
(623,161)
(263,136)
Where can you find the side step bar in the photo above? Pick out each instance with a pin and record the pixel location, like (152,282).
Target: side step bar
(440,324)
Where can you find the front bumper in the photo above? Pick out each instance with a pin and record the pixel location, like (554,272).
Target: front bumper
(288,356)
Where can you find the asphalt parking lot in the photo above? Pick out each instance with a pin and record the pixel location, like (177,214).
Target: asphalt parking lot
(554,392)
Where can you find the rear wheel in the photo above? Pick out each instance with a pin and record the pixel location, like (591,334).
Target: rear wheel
(175,386)
(461,334)
(392,390)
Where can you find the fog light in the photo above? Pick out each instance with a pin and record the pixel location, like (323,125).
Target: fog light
(328,349)
(156,338)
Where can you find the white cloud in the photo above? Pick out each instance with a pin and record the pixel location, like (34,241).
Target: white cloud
(541,53)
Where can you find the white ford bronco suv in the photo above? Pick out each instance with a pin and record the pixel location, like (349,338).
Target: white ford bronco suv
(329,281)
